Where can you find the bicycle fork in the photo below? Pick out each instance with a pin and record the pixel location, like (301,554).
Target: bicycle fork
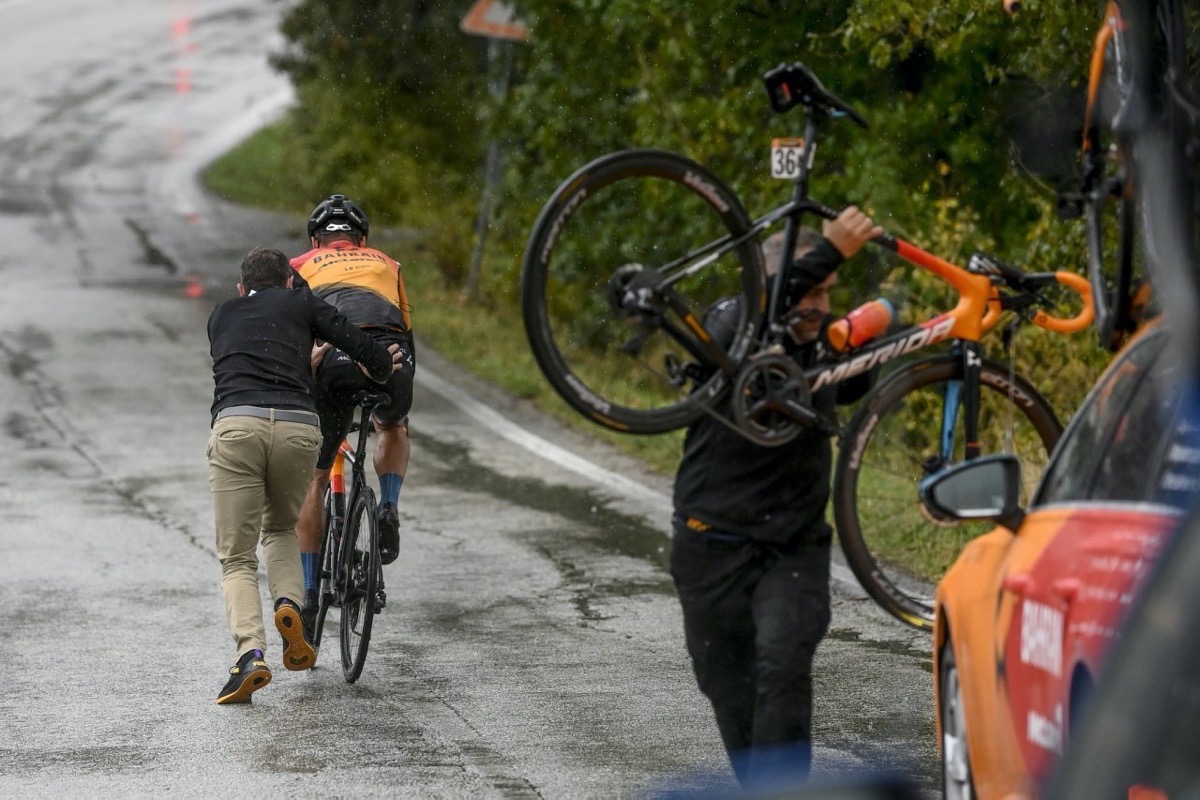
(960,398)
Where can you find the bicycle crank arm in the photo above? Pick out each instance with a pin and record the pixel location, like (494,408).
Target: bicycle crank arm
(806,415)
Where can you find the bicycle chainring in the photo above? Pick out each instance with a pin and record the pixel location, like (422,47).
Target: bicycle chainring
(769,399)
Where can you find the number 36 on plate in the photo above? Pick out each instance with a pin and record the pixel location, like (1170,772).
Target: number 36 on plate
(786,155)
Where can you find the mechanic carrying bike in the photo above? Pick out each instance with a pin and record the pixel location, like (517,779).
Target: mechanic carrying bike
(365,285)
(751,548)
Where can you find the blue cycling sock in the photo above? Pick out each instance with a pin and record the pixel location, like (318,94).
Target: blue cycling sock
(308,562)
(389,487)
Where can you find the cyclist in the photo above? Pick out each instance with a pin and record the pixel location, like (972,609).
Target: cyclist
(367,286)
(750,551)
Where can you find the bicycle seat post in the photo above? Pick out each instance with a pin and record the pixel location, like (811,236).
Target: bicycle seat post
(774,327)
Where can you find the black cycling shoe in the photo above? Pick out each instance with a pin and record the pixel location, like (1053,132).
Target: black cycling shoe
(246,677)
(298,653)
(389,532)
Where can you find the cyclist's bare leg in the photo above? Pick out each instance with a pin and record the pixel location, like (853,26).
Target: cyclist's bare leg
(391,451)
(390,460)
(311,521)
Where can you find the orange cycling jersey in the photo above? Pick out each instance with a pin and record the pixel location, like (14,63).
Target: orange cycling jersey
(363,283)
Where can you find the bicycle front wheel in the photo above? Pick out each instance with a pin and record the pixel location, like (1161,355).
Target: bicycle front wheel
(327,587)
(614,287)
(361,568)
(894,548)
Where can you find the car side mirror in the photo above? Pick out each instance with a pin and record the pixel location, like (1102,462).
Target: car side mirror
(984,488)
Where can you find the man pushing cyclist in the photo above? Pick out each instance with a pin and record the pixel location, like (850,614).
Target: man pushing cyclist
(365,285)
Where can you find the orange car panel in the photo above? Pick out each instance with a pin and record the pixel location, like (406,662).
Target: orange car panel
(1030,615)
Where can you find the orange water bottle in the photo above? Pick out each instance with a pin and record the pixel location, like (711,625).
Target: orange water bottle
(860,326)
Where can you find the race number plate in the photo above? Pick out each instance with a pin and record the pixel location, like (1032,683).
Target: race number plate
(785,158)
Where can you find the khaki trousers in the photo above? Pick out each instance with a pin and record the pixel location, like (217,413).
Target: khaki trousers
(259,471)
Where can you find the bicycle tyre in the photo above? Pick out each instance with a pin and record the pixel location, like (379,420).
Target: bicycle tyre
(361,568)
(883,455)
(625,209)
(327,560)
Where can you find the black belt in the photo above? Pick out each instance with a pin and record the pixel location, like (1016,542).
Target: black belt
(273,414)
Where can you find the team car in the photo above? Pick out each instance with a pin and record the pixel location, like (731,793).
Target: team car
(1027,613)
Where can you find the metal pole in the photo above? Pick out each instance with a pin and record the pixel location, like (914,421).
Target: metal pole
(499,67)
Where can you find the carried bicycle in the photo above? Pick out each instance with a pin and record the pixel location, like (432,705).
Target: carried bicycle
(629,252)
(351,570)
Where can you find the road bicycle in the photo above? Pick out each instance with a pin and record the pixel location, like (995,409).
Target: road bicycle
(1127,97)
(629,252)
(351,570)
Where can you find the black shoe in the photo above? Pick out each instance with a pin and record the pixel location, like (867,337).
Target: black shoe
(246,677)
(298,654)
(389,533)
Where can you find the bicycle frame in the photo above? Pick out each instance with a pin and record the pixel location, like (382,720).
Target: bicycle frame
(1113,323)
(978,310)
(342,498)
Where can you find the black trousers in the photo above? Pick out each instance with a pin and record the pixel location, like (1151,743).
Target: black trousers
(753,614)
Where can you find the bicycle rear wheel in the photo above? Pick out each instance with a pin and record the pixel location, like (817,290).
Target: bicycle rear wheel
(361,567)
(895,549)
(618,226)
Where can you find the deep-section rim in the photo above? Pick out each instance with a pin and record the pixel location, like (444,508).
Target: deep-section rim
(570,194)
(362,607)
(875,406)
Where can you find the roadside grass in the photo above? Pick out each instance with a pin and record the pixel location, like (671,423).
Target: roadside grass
(256,173)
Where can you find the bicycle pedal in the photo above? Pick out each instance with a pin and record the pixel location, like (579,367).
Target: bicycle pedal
(380,600)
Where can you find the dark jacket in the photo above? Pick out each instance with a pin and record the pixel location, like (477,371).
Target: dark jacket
(772,494)
(261,344)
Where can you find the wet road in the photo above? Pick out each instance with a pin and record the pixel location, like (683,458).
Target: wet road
(532,646)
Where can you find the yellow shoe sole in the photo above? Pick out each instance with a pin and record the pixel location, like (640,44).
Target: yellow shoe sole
(298,654)
(255,679)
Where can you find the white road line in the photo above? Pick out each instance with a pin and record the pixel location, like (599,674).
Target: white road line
(505,428)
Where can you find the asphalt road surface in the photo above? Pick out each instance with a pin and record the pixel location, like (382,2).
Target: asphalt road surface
(532,645)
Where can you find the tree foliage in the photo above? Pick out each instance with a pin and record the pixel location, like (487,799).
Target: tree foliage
(387,111)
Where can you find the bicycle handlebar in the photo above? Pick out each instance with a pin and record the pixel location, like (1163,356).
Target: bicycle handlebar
(983,264)
(1081,286)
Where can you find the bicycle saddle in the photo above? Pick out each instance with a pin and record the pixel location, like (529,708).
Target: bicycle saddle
(369,399)
(790,85)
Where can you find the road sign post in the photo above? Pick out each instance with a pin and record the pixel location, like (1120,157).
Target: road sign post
(498,22)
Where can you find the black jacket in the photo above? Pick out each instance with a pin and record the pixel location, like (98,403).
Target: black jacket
(771,494)
(261,343)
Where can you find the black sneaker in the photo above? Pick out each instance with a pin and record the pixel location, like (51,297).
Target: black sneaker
(389,533)
(298,654)
(246,677)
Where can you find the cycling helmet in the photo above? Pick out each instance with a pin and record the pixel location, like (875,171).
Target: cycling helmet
(337,213)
